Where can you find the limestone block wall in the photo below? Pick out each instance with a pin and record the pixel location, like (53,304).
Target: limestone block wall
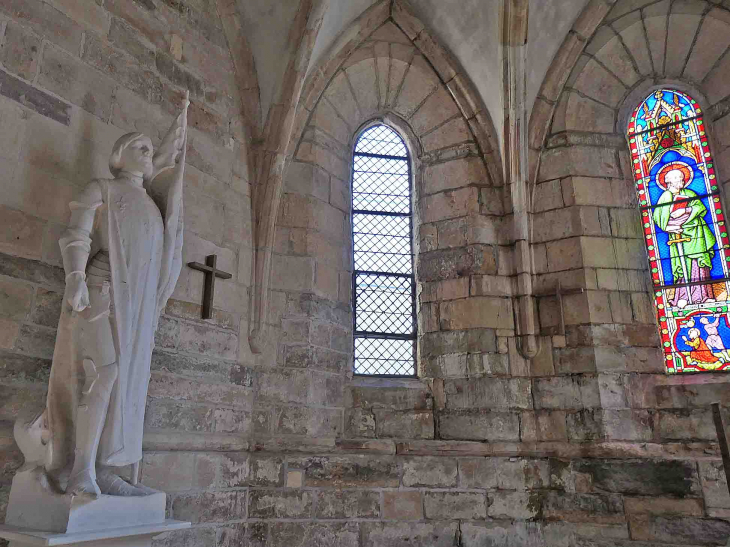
(75,76)
(588,444)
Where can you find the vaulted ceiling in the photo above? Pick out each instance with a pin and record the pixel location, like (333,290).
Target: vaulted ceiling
(469,29)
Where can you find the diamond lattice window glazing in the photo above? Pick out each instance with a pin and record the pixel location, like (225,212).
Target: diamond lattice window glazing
(383,282)
(684,230)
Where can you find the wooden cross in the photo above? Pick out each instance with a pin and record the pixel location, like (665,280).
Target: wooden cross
(211,273)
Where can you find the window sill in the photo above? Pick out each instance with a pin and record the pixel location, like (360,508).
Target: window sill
(376,381)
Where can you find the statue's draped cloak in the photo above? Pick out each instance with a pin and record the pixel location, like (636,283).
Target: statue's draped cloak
(145,256)
(700,247)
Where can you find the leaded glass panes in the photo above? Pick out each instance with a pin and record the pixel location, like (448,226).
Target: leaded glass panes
(383,283)
(684,229)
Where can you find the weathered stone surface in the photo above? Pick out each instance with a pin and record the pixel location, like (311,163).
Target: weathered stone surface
(22,368)
(714,484)
(347,504)
(597,508)
(209,506)
(315,422)
(313,533)
(661,478)
(171,415)
(680,529)
(514,505)
(32,270)
(280,504)
(455,505)
(34,99)
(402,505)
(476,312)
(436,472)
(664,506)
(396,534)
(73,80)
(487,426)
(500,533)
(478,473)
(351,471)
(20,51)
(568,392)
(496,393)
(168,471)
(408,425)
(686,424)
(46,21)
(124,70)
(46,308)
(36,341)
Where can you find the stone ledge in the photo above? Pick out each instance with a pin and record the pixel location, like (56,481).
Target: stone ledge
(564,450)
(296,445)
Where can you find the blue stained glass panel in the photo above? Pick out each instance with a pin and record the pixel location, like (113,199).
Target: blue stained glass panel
(684,230)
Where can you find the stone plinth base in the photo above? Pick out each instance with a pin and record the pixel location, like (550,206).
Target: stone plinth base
(131,536)
(35,505)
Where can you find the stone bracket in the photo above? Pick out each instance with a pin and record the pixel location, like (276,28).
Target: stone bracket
(559,293)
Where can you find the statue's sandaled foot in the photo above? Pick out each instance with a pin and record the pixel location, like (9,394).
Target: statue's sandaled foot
(82,483)
(114,485)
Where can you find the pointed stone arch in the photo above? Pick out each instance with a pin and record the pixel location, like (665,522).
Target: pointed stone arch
(339,94)
(585,223)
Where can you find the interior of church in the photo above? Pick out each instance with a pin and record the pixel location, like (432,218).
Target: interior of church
(364,273)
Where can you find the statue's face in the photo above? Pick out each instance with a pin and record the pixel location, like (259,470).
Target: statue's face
(137,157)
(674,181)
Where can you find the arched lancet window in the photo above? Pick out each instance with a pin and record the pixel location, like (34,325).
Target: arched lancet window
(685,231)
(383,285)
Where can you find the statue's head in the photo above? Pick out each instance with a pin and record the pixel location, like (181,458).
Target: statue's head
(675,180)
(132,153)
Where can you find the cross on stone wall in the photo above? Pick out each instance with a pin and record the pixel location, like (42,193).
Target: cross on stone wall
(211,272)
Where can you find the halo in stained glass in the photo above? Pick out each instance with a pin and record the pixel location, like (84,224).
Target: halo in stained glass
(684,231)
(383,282)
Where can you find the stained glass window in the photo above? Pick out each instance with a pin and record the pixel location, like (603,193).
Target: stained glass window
(685,231)
(383,285)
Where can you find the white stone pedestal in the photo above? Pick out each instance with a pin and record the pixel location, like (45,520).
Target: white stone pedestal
(39,515)
(131,536)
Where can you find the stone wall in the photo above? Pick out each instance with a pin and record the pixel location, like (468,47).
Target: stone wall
(75,76)
(588,444)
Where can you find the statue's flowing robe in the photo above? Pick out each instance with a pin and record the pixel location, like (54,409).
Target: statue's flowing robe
(145,256)
(700,247)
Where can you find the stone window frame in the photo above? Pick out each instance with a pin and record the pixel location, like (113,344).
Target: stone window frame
(403,129)
(629,105)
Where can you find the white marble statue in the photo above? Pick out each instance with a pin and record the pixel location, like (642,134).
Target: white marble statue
(122,254)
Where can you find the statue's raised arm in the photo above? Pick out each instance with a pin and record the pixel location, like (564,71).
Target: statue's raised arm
(172,144)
